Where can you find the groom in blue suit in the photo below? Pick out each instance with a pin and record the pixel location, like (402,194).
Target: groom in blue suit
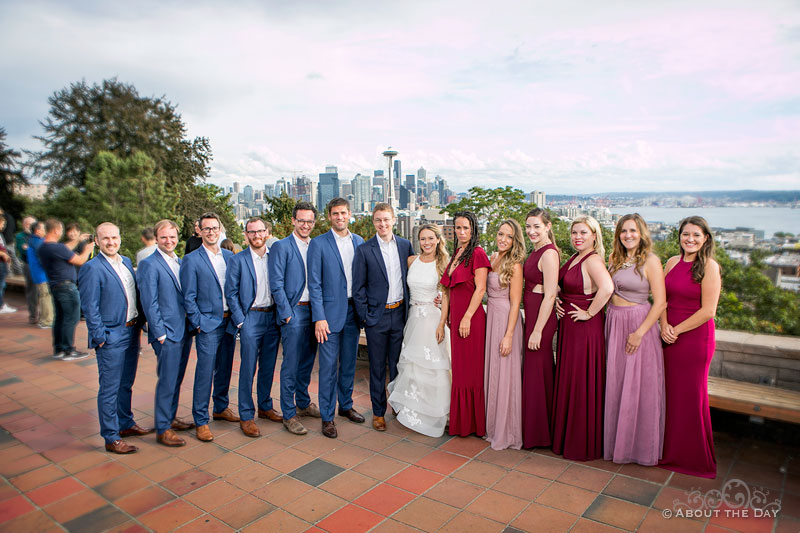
(380,294)
(162,302)
(202,276)
(289,284)
(253,315)
(330,287)
(109,301)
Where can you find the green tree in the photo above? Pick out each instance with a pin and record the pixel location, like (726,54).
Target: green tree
(10,177)
(85,120)
(363,226)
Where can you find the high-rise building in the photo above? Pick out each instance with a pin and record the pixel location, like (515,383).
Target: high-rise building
(269,191)
(537,197)
(302,189)
(411,182)
(283,187)
(328,187)
(362,193)
(403,197)
(345,189)
(248,195)
(397,175)
(236,187)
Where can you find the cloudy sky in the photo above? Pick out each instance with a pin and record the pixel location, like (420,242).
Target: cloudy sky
(570,96)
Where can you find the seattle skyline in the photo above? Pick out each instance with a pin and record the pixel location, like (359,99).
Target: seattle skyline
(570,98)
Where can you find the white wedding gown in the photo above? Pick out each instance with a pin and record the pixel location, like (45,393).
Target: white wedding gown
(421,391)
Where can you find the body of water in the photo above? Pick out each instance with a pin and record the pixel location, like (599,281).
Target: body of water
(768,219)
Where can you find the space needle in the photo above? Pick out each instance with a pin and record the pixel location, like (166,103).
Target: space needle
(388,195)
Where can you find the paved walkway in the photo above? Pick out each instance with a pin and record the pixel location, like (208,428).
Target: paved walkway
(56,476)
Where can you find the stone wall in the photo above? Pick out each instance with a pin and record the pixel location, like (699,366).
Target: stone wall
(766,359)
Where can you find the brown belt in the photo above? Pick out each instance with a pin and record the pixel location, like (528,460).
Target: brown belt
(394,305)
(263,309)
(302,303)
(130,323)
(226,314)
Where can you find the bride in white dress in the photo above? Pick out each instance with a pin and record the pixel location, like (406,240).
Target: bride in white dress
(420,394)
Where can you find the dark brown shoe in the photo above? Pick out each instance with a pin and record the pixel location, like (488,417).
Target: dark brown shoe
(120,447)
(170,438)
(329,429)
(226,415)
(270,414)
(352,415)
(181,425)
(249,428)
(312,410)
(379,423)
(204,433)
(135,431)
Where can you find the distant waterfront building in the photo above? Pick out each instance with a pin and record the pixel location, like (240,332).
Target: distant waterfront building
(537,197)
(328,187)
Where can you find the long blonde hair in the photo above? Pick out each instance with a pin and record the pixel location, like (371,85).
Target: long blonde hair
(619,254)
(442,257)
(594,226)
(515,255)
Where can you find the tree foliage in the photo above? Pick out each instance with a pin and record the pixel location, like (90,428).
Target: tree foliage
(204,197)
(10,177)
(85,120)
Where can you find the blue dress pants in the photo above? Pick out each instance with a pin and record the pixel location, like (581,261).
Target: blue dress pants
(384,342)
(258,347)
(172,357)
(214,365)
(116,365)
(337,367)
(299,349)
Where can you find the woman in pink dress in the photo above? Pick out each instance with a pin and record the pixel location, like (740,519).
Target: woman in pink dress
(465,278)
(503,377)
(541,286)
(580,371)
(634,412)
(693,284)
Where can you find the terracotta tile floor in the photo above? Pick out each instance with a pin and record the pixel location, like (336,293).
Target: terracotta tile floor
(56,476)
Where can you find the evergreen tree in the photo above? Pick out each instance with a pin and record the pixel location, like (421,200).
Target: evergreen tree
(10,177)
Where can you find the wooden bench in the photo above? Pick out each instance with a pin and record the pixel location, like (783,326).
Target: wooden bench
(754,399)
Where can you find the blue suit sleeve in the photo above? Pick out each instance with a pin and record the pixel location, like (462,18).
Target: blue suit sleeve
(90,288)
(188,275)
(147,277)
(314,260)
(360,284)
(232,280)
(277,279)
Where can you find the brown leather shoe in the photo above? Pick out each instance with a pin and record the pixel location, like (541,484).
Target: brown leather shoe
(120,447)
(181,425)
(329,429)
(352,415)
(379,423)
(294,426)
(226,415)
(270,414)
(170,438)
(135,431)
(204,433)
(312,410)
(249,428)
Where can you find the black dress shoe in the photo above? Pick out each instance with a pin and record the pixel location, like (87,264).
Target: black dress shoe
(329,429)
(352,415)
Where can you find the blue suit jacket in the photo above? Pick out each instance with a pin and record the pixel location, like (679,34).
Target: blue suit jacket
(240,286)
(103,300)
(371,282)
(162,299)
(287,277)
(202,295)
(327,284)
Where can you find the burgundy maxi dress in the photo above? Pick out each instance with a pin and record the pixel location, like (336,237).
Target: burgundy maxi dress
(580,373)
(538,365)
(467,399)
(688,440)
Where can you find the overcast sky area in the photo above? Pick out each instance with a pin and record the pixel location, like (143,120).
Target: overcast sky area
(577,97)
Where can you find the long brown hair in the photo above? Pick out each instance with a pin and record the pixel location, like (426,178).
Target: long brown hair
(515,255)
(706,251)
(619,254)
(542,214)
(441,255)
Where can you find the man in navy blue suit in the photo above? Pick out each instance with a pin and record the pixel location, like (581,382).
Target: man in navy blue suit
(202,276)
(253,315)
(109,301)
(330,287)
(380,294)
(289,284)
(162,303)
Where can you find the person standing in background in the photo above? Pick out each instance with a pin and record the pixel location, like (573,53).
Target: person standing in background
(38,275)
(21,247)
(194,242)
(149,241)
(5,264)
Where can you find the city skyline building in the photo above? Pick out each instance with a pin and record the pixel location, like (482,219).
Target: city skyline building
(328,186)
(389,196)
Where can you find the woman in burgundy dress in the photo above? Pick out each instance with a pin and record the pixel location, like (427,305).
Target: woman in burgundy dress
(693,285)
(541,286)
(580,371)
(465,278)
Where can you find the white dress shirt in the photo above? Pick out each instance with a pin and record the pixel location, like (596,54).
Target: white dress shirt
(263,296)
(218,262)
(128,284)
(347,251)
(303,247)
(391,258)
(173,264)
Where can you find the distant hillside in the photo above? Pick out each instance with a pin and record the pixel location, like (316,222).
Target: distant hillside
(728,196)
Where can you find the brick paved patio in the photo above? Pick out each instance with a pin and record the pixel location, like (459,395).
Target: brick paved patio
(56,476)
